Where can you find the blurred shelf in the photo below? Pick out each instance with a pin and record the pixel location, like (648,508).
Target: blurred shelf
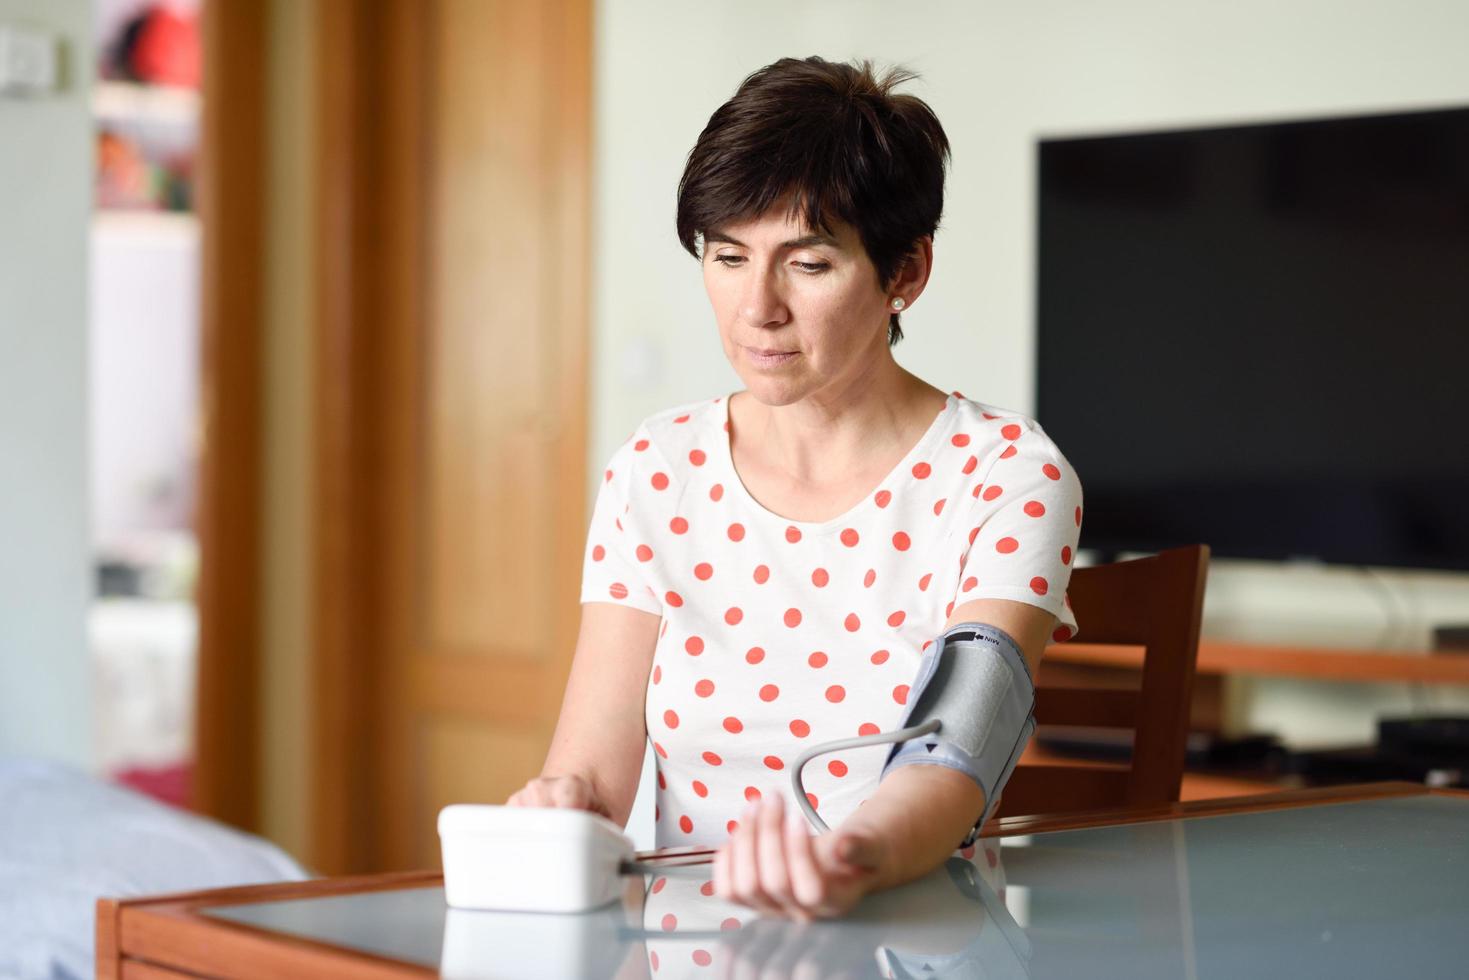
(1338,664)
(167,226)
(156,105)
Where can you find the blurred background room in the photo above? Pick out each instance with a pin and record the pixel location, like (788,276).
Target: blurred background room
(319,319)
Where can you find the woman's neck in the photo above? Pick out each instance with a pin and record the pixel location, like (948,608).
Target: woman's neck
(828,437)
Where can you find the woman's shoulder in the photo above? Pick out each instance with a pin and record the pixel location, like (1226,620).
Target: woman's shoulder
(674,433)
(996,425)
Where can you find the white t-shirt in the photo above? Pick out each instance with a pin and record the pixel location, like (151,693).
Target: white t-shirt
(777,634)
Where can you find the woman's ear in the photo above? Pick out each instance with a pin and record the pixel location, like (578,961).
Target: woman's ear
(912,275)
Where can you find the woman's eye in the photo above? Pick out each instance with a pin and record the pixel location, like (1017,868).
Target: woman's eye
(812,267)
(729,260)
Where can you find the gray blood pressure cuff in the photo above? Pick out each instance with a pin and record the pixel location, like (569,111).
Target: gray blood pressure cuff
(975,683)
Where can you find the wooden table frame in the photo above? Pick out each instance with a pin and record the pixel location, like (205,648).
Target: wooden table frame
(163,937)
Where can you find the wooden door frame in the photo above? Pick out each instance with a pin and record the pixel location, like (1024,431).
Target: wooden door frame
(231,205)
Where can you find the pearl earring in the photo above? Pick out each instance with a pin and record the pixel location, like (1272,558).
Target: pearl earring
(898,303)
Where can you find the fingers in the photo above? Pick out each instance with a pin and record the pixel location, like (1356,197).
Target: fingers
(808,886)
(771,863)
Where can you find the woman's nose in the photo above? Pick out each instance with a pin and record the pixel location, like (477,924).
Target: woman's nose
(762,303)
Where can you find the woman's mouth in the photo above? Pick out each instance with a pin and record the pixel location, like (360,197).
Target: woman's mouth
(768,358)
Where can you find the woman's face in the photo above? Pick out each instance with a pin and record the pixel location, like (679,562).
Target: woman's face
(800,311)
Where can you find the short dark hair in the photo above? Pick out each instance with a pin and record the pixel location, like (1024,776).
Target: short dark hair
(833,138)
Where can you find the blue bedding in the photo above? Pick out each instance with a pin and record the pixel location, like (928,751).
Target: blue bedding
(67,839)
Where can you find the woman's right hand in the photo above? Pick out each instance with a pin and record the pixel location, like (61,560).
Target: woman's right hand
(566,792)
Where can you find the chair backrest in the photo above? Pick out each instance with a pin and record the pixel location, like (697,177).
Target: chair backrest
(1156,603)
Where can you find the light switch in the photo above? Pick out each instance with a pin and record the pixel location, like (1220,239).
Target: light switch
(27,62)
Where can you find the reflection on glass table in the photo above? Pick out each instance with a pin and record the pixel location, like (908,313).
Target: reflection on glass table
(1366,888)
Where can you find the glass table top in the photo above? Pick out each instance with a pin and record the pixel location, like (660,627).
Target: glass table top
(1362,889)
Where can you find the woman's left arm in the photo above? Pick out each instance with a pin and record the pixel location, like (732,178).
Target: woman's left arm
(908,826)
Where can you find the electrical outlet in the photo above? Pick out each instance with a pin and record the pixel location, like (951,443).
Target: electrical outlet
(27,62)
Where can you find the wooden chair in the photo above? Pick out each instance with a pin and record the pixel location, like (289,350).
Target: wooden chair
(1156,603)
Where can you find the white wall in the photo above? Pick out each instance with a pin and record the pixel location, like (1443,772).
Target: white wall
(45,550)
(1000,75)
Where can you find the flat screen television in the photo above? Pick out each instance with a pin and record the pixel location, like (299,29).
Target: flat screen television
(1257,337)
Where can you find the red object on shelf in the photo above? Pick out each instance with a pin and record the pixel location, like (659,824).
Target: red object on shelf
(170,784)
(166,50)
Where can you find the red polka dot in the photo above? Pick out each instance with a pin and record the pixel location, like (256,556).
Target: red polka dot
(685,824)
(961,440)
(793,618)
(694,645)
(800,729)
(730,923)
(659,885)
(1006,546)
(923,582)
(751,794)
(1062,634)
(970,464)
(733,825)
(754,655)
(640,445)
(773,762)
(880,657)
(973,533)
(900,694)
(819,578)
(949,609)
(762,574)
(793,534)
(815,803)
(733,615)
(975,492)
(1011,432)
(1039,585)
(700,790)
(1009,451)
(678,525)
(713,759)
(921,471)
(607,476)
(1066,554)
(716,492)
(896,619)
(837,768)
(1078,517)
(670,718)
(852,623)
(836,694)
(883,498)
(703,571)
(660,750)
(869,578)
(657,674)
(769,692)
(1051,471)
(645,553)
(938,506)
(850,537)
(737,532)
(704,688)
(969,584)
(1034,508)
(707,889)
(817,660)
(598,553)
(670,921)
(733,725)
(697,457)
(992,491)
(617,590)
(680,420)
(660,481)
(867,728)
(901,541)
(702,957)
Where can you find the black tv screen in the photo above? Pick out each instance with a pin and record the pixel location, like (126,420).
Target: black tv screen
(1257,337)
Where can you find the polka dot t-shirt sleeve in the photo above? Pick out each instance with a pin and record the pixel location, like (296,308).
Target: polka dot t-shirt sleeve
(1025,526)
(615,566)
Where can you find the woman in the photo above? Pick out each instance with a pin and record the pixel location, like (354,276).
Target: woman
(764,571)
